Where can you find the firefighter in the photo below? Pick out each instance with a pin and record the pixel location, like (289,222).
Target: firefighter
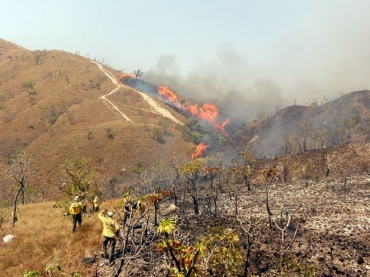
(96,204)
(83,203)
(110,230)
(75,210)
(130,207)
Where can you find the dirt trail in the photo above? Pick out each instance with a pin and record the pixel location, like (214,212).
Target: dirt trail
(157,109)
(104,97)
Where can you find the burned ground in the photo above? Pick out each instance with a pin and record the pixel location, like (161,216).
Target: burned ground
(329,214)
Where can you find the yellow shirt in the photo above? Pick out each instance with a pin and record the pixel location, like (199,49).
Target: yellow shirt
(110,226)
(75,208)
(96,202)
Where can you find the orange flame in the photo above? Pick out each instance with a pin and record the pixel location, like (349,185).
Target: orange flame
(201,148)
(221,127)
(125,76)
(207,111)
(167,93)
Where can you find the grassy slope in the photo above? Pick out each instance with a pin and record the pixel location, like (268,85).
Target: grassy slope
(52,120)
(43,236)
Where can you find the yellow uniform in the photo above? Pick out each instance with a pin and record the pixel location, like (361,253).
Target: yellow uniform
(96,204)
(75,210)
(110,227)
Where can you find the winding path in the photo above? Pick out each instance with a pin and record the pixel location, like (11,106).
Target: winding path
(158,109)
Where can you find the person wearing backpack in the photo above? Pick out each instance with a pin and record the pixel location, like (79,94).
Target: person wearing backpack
(110,229)
(96,204)
(75,210)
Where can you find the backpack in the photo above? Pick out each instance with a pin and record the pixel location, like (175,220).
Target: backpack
(75,208)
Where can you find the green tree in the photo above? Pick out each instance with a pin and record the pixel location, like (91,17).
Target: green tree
(82,178)
(221,254)
(184,257)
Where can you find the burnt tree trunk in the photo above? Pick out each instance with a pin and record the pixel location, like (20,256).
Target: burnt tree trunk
(156,208)
(195,204)
(247,256)
(268,207)
(20,189)
(247,182)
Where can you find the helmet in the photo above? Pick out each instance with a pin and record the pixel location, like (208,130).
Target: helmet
(77,198)
(110,214)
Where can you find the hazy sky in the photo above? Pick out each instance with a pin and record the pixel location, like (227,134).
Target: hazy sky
(275,51)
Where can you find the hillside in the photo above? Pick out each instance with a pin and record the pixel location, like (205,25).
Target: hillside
(57,105)
(327,234)
(312,176)
(51,106)
(338,122)
(294,129)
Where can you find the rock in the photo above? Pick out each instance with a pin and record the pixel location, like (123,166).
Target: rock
(8,238)
(169,209)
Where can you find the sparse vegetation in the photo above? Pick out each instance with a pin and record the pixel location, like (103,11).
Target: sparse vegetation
(89,134)
(232,213)
(109,130)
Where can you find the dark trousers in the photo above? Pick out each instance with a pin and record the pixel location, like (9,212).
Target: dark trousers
(112,242)
(76,218)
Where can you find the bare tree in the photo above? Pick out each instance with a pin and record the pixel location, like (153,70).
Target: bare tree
(250,162)
(305,129)
(283,247)
(251,234)
(138,73)
(191,172)
(19,171)
(137,237)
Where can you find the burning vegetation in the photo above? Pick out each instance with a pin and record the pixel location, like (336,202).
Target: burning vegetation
(201,148)
(207,112)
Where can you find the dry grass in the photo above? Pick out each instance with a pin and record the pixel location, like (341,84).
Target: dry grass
(43,236)
(53,119)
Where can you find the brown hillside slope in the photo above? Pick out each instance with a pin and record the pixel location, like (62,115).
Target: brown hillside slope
(51,106)
(338,122)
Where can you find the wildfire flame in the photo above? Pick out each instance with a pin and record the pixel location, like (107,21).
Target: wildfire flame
(201,148)
(207,111)
(168,94)
(125,76)
(221,127)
